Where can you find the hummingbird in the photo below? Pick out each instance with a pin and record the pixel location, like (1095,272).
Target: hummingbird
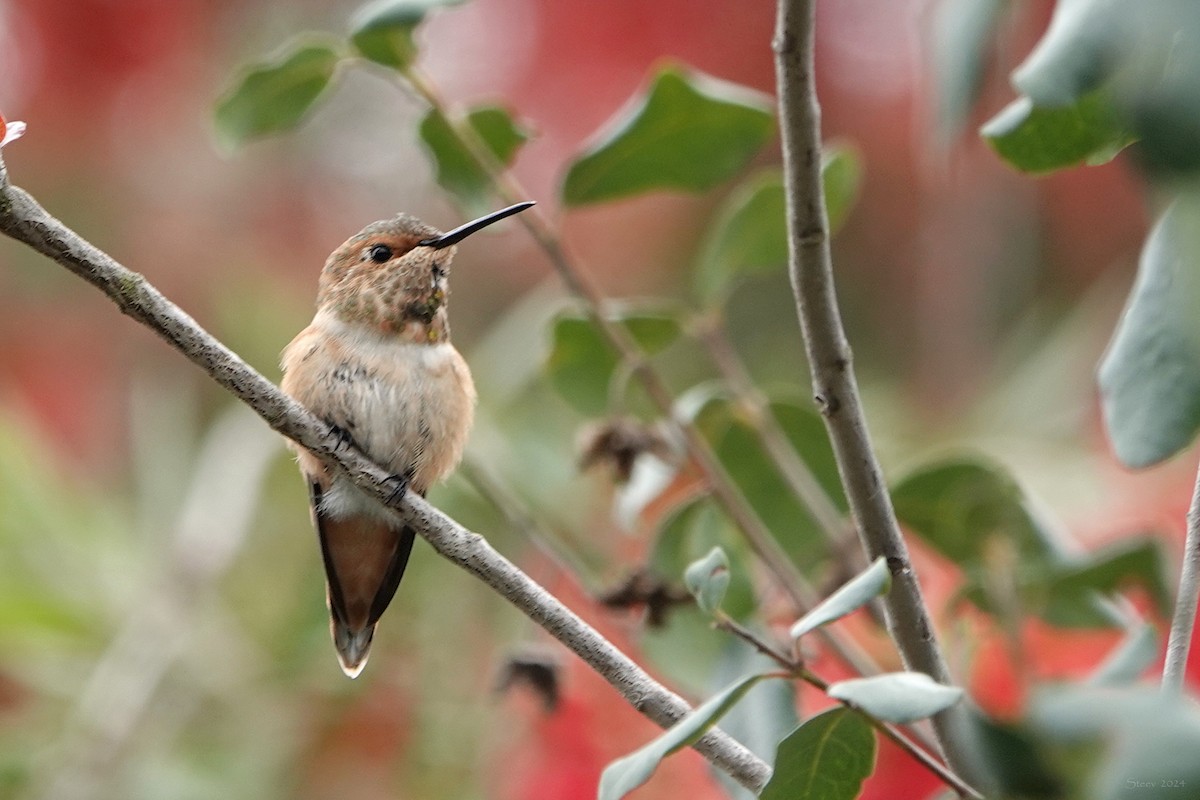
(377,365)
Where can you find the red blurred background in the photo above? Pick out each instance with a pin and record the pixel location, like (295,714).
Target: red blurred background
(978,300)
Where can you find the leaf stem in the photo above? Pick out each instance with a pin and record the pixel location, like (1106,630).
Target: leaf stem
(1184,619)
(796,669)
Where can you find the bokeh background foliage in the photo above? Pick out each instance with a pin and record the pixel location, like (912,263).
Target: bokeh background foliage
(160,603)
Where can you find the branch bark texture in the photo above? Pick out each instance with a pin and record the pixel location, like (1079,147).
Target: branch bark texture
(829,355)
(23,219)
(1184,618)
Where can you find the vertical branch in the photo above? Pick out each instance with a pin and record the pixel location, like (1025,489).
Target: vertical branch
(1184,619)
(829,355)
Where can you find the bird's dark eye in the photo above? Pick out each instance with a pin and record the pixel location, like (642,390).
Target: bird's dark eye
(380,253)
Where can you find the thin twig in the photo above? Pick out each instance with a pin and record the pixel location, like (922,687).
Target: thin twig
(945,773)
(903,741)
(726,623)
(1184,618)
(580,284)
(775,443)
(578,281)
(521,519)
(829,358)
(23,219)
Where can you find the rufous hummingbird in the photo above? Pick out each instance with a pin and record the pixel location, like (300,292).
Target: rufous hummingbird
(377,365)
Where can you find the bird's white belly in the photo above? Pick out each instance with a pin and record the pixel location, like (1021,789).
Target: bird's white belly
(407,406)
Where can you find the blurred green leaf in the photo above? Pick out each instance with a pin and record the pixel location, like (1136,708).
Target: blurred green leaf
(872,582)
(1150,376)
(841,176)
(457,172)
(696,528)
(1065,594)
(1076,53)
(826,758)
(686,650)
(626,774)
(1042,139)
(899,697)
(1128,660)
(383,31)
(1161,90)
(689,132)
(957,505)
(959,52)
(60,548)
(965,508)
(1068,593)
(1148,738)
(1013,760)
(738,448)
(762,718)
(275,95)
(750,234)
(708,579)
(581,362)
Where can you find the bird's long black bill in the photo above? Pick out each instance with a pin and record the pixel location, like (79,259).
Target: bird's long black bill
(463,231)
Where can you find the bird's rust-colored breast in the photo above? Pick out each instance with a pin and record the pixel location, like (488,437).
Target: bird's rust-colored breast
(409,406)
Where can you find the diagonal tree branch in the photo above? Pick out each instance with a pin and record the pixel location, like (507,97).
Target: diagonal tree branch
(23,219)
(829,358)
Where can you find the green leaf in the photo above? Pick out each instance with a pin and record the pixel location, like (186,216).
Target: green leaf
(626,774)
(872,582)
(1150,375)
(958,504)
(689,132)
(275,95)
(1069,593)
(826,758)
(750,234)
(383,31)
(696,528)
(899,697)
(685,651)
(457,171)
(1162,93)
(581,362)
(1066,594)
(959,51)
(841,177)
(1148,737)
(1012,759)
(708,579)
(1042,139)
(761,719)
(1075,55)
(740,452)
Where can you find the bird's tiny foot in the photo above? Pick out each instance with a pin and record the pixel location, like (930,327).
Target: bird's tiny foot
(400,487)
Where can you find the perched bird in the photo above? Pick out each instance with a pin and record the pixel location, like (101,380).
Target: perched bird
(377,364)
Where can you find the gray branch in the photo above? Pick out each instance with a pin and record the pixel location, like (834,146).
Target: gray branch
(23,219)
(829,358)
(1184,618)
